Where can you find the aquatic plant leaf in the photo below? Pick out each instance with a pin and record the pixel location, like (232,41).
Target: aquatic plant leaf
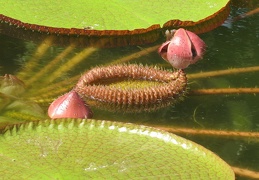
(97,88)
(78,148)
(109,15)
(114,18)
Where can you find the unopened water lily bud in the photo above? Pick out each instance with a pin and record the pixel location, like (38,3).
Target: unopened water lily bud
(70,105)
(183,49)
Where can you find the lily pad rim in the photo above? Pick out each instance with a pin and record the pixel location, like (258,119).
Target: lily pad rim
(87,32)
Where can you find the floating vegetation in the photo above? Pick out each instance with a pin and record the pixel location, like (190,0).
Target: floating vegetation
(50,77)
(169,88)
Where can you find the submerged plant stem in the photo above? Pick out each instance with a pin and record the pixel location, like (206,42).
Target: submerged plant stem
(71,63)
(33,62)
(48,93)
(246,172)
(46,69)
(247,14)
(222,72)
(220,133)
(225,91)
(135,55)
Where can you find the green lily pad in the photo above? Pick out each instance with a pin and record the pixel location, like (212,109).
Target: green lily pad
(92,149)
(113,18)
(108,15)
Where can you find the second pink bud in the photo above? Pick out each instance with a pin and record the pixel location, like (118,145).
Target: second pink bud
(70,105)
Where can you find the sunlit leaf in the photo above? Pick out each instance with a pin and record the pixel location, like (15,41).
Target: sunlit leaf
(74,148)
(113,18)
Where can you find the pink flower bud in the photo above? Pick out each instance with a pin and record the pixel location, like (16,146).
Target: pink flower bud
(70,105)
(183,49)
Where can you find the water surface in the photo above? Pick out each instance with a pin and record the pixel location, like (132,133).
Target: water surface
(232,45)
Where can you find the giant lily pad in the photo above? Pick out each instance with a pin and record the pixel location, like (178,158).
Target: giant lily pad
(114,18)
(85,149)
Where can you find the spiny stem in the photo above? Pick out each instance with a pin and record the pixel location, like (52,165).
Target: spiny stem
(134,55)
(252,12)
(225,91)
(34,60)
(15,116)
(46,69)
(49,96)
(71,63)
(245,172)
(220,133)
(54,90)
(222,72)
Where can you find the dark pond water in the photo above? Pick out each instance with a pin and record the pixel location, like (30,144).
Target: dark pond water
(232,45)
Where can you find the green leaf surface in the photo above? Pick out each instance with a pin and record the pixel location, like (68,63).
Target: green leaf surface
(114,15)
(108,15)
(113,23)
(87,149)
